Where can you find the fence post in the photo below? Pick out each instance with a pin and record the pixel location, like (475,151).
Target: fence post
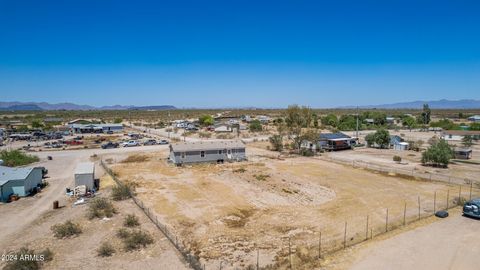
(434,201)
(459,194)
(405,213)
(345,236)
(290,252)
(258,255)
(418,207)
(366,230)
(448,197)
(471,186)
(386,222)
(320,246)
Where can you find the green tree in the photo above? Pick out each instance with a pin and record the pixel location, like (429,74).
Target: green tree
(255,126)
(206,120)
(409,122)
(382,138)
(330,120)
(36,124)
(426,112)
(277,142)
(467,141)
(474,126)
(294,123)
(370,139)
(438,154)
(118,120)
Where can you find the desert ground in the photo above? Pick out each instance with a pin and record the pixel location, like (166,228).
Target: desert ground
(432,243)
(27,222)
(225,213)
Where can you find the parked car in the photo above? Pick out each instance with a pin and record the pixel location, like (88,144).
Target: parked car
(130,143)
(109,145)
(109,132)
(150,142)
(163,142)
(472,208)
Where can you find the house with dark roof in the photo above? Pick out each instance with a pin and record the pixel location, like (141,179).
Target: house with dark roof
(207,151)
(330,142)
(19,181)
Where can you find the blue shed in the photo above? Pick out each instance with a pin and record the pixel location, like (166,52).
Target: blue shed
(20,181)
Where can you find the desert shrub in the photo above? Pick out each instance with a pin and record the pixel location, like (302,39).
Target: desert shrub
(131,221)
(122,192)
(135,158)
(24,264)
(239,170)
(255,126)
(397,158)
(105,250)
(137,239)
(100,207)
(224,136)
(459,200)
(205,134)
(123,233)
(15,158)
(65,230)
(306,152)
(277,142)
(261,177)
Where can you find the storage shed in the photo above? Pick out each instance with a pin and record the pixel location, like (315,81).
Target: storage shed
(85,175)
(19,181)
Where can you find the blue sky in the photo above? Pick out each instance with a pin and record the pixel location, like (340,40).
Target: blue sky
(239,53)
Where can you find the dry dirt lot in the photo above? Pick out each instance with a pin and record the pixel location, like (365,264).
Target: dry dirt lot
(442,244)
(224,213)
(27,222)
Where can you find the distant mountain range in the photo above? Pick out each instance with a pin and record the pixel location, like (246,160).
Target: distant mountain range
(434,104)
(44,106)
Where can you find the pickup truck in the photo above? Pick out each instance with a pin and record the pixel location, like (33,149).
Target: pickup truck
(150,142)
(163,142)
(130,143)
(109,145)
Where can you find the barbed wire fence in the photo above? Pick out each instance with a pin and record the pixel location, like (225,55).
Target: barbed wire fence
(403,172)
(333,237)
(191,259)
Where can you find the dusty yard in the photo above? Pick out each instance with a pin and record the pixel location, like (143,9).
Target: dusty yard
(27,222)
(225,213)
(442,244)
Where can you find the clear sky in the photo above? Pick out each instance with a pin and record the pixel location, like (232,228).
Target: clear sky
(239,53)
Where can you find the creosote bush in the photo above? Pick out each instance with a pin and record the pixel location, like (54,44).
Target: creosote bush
(131,221)
(66,230)
(15,158)
(26,264)
(105,250)
(100,207)
(137,239)
(397,158)
(122,192)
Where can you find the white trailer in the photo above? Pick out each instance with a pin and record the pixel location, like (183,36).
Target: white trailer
(85,175)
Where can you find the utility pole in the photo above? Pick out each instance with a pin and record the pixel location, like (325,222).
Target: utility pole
(356,134)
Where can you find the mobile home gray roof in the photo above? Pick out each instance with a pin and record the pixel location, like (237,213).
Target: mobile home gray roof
(206,145)
(85,168)
(7,174)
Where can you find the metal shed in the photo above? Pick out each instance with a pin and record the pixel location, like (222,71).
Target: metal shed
(20,181)
(85,175)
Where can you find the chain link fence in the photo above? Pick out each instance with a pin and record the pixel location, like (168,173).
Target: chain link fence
(191,259)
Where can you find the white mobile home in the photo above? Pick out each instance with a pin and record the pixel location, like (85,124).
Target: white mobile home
(85,175)
(458,135)
(207,151)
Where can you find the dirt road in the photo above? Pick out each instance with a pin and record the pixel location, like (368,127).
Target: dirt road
(451,243)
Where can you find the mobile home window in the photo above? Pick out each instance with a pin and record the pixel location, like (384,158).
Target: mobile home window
(219,152)
(202,153)
(229,151)
(183,154)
